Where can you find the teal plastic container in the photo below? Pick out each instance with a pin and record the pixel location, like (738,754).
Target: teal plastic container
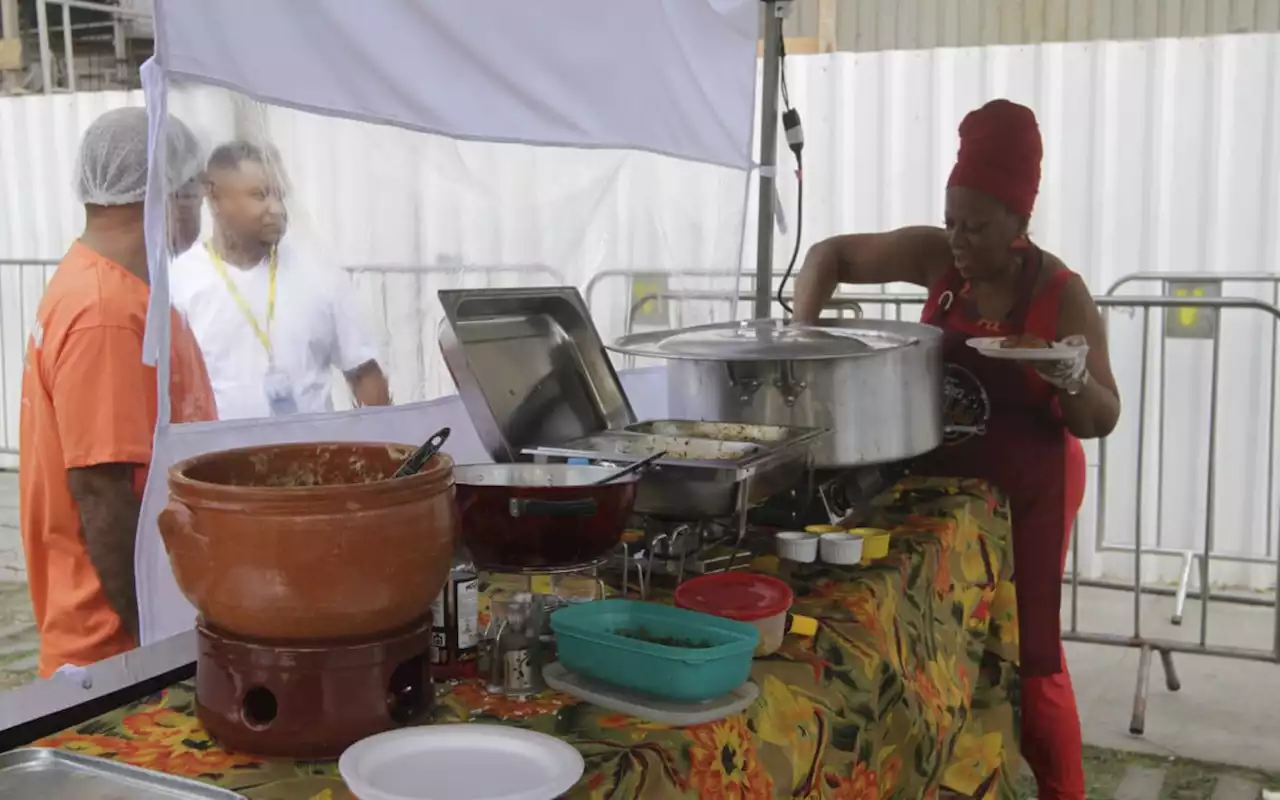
(588,643)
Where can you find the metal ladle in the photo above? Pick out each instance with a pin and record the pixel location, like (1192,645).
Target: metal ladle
(419,458)
(631,469)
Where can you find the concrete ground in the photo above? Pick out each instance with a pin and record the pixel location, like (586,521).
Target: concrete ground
(1227,712)
(18,640)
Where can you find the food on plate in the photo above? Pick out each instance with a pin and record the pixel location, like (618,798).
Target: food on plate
(1024,341)
(642,635)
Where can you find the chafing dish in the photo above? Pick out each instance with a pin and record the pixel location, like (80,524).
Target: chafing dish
(698,477)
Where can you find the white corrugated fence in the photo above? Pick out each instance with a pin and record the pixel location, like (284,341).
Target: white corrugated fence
(1160,156)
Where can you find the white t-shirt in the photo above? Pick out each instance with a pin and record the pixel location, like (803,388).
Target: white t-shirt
(317,326)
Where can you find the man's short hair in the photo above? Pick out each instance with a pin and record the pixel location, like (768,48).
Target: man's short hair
(230,155)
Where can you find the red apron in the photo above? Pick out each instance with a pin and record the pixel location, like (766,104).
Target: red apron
(1007,430)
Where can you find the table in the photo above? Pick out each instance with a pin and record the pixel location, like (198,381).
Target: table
(909,684)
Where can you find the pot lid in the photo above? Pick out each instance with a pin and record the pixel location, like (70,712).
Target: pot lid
(770,340)
(741,596)
(530,367)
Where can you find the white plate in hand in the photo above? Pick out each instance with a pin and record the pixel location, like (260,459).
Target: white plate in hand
(461,761)
(990,346)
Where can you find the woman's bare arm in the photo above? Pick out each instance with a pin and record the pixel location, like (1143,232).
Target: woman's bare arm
(915,255)
(1093,412)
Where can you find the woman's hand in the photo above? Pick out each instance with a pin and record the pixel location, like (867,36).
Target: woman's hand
(1089,399)
(1066,373)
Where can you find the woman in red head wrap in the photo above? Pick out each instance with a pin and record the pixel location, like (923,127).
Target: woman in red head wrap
(1016,427)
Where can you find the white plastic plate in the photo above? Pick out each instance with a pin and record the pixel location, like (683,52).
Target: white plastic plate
(462,761)
(989,346)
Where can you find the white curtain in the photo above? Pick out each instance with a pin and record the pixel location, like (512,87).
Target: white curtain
(424,145)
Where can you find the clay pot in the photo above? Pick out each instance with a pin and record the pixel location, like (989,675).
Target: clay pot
(309,541)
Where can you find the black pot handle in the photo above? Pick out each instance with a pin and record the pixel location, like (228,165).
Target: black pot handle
(529,507)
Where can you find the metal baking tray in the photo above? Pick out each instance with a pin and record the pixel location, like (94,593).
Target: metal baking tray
(718,453)
(530,367)
(46,774)
(722,431)
(714,479)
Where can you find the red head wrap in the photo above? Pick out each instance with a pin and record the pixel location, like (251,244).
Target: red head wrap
(1000,152)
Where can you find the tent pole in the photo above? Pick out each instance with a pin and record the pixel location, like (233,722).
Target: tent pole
(46,57)
(772,34)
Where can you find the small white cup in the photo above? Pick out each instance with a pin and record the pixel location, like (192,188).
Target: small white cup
(841,548)
(797,546)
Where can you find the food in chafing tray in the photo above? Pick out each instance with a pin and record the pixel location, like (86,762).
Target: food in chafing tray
(677,448)
(1025,341)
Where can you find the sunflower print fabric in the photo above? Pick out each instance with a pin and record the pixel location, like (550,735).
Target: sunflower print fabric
(908,688)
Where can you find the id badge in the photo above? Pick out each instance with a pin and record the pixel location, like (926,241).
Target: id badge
(279,392)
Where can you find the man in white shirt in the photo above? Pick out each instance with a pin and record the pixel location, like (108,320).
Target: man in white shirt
(271,323)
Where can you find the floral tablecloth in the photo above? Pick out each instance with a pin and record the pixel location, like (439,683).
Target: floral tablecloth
(910,685)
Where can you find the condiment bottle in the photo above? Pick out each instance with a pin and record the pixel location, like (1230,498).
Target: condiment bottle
(455,621)
(518,649)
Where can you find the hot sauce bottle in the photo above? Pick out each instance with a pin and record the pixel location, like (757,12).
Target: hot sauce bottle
(455,622)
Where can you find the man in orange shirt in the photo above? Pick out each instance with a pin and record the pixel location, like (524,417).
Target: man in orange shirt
(89,404)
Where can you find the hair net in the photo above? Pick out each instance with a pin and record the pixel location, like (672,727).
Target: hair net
(112,165)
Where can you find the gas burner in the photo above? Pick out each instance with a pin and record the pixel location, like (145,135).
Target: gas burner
(678,549)
(310,699)
(568,569)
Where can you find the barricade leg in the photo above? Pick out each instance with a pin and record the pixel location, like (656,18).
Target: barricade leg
(1184,582)
(1138,722)
(1171,681)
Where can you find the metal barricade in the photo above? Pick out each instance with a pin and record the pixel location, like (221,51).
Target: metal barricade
(418,272)
(24,278)
(424,375)
(1145,644)
(1191,558)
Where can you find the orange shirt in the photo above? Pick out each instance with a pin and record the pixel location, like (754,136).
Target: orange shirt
(88,399)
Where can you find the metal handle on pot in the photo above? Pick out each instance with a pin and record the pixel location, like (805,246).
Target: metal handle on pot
(174,523)
(529,507)
(788,384)
(747,387)
(187,549)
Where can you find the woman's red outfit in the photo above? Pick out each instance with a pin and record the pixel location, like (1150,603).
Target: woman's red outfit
(1012,435)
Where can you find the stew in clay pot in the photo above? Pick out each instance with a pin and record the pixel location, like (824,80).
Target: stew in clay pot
(309,541)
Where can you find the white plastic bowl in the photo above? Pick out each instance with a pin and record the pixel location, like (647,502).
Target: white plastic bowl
(841,548)
(797,546)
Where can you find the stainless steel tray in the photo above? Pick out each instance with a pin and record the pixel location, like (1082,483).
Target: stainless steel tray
(56,775)
(530,367)
(721,479)
(716,453)
(722,431)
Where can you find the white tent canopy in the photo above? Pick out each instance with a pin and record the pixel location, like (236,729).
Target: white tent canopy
(674,79)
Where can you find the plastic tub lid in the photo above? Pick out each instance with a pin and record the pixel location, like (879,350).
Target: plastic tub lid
(741,596)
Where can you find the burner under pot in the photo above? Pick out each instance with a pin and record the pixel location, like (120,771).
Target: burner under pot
(310,700)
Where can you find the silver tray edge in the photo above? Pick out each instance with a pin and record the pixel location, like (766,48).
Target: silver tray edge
(37,758)
(783,450)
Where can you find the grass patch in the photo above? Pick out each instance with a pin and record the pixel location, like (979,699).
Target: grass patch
(1185,779)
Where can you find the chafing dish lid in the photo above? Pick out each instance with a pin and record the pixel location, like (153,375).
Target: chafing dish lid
(766,340)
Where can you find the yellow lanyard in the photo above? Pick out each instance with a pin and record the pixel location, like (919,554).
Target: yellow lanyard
(263,334)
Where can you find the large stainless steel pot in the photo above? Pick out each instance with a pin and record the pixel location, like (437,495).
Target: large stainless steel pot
(876,384)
